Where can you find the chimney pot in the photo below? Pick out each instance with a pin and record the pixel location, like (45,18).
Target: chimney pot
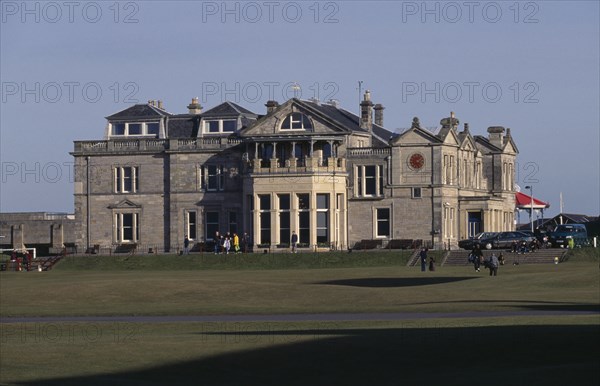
(366,112)
(271,106)
(379,114)
(194,108)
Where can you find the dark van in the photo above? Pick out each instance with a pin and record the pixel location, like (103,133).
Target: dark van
(562,233)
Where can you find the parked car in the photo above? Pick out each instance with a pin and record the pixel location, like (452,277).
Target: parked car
(470,243)
(562,233)
(496,240)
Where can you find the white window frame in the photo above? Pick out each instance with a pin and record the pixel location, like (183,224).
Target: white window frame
(119,179)
(204,178)
(126,132)
(191,235)
(292,121)
(119,227)
(360,181)
(206,125)
(414,190)
(327,212)
(378,221)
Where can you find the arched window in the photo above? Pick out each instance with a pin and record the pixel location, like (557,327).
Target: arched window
(296,121)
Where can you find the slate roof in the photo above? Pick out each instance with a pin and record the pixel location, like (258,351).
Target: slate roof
(140,111)
(227,109)
(483,141)
(183,126)
(351,121)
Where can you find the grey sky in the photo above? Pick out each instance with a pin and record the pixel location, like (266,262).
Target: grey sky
(531,66)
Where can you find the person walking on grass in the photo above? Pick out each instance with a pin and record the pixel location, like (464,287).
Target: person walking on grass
(186,245)
(493,264)
(477,257)
(423,256)
(236,243)
(431,264)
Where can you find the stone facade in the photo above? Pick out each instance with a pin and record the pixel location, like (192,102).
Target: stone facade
(47,232)
(331,176)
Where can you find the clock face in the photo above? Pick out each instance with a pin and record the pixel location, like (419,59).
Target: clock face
(416,161)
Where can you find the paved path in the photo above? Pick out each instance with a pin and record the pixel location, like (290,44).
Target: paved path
(341,317)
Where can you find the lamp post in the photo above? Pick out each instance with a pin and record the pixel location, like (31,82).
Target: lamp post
(530,187)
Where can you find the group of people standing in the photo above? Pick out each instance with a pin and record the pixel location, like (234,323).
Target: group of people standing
(224,243)
(423,257)
(492,263)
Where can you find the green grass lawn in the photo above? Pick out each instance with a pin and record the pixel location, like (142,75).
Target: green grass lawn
(516,350)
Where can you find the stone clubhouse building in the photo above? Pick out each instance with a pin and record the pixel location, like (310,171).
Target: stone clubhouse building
(333,177)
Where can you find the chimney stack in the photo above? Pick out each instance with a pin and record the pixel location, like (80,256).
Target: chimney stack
(159,104)
(451,122)
(496,135)
(378,114)
(194,108)
(366,112)
(271,106)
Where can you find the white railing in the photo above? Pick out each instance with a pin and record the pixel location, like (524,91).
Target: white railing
(355,151)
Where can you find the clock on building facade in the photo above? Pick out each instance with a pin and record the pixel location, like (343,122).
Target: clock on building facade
(416,161)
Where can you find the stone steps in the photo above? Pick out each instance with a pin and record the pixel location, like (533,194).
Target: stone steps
(541,256)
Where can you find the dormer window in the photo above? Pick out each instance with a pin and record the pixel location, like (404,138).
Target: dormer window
(135,129)
(296,121)
(217,126)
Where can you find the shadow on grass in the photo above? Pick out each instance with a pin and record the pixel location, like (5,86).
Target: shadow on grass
(534,305)
(508,355)
(387,282)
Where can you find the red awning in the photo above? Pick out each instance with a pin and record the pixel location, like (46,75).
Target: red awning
(523,201)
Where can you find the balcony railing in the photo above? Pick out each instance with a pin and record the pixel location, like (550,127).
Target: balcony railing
(366,151)
(153,144)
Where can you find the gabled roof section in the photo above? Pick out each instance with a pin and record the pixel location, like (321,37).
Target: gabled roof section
(509,145)
(449,136)
(227,109)
(334,118)
(467,142)
(485,145)
(415,135)
(351,121)
(141,111)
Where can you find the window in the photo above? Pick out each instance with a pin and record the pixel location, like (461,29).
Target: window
(191,225)
(126,179)
(118,128)
(322,218)
(284,218)
(135,129)
(212,224)
(416,193)
(212,177)
(303,218)
(152,129)
(216,126)
(232,223)
(369,180)
(383,222)
(296,121)
(265,218)
(127,227)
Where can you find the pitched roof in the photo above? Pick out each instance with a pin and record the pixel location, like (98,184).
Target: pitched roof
(140,111)
(227,109)
(523,201)
(351,121)
(183,126)
(485,143)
